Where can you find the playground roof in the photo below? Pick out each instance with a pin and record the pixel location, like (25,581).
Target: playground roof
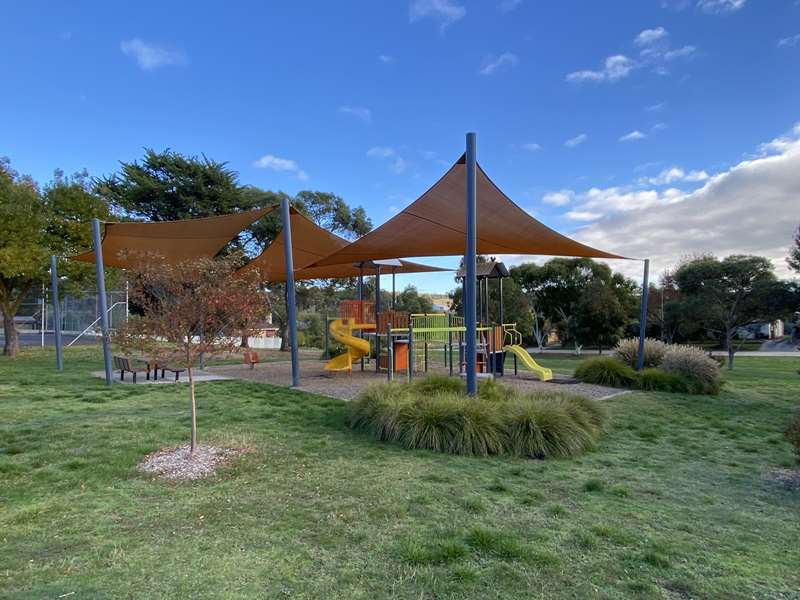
(310,243)
(435,223)
(173,241)
(492,269)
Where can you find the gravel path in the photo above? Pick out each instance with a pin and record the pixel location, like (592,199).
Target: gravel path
(313,378)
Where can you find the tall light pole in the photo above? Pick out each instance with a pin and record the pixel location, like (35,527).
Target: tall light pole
(291,307)
(101,296)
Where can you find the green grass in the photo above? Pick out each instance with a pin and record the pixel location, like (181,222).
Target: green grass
(673,503)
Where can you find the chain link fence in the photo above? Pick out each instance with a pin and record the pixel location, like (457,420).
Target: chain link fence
(80,316)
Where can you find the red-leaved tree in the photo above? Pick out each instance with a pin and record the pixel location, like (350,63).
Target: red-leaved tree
(188,309)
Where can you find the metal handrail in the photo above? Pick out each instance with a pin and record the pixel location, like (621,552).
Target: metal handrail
(93,323)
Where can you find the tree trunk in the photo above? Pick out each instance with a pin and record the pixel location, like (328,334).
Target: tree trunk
(11,347)
(285,338)
(194,410)
(731,349)
(245,343)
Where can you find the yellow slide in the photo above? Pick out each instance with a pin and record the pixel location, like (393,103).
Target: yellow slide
(342,332)
(527,360)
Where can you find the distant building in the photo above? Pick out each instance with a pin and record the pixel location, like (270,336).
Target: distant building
(767,330)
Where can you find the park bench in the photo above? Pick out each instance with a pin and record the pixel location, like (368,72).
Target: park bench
(176,370)
(250,358)
(123,364)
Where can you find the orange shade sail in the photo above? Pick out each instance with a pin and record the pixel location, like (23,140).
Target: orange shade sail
(311,243)
(434,225)
(173,241)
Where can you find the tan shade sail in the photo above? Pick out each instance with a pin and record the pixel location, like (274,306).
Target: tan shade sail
(174,241)
(434,225)
(310,243)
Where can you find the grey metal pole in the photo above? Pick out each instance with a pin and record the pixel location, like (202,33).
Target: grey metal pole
(56,311)
(502,309)
(469,265)
(101,296)
(394,291)
(377,317)
(643,314)
(389,352)
(291,307)
(361,304)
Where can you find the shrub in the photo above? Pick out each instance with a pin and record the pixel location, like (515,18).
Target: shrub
(431,423)
(605,371)
(436,384)
(538,425)
(656,380)
(792,433)
(491,389)
(627,351)
(701,371)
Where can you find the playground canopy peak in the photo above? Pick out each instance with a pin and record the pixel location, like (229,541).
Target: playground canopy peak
(435,223)
(493,269)
(310,243)
(172,241)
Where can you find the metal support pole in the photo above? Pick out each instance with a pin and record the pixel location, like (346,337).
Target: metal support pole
(327,351)
(291,307)
(361,304)
(502,309)
(101,296)
(425,355)
(450,341)
(377,318)
(56,311)
(410,350)
(394,289)
(643,314)
(469,265)
(389,353)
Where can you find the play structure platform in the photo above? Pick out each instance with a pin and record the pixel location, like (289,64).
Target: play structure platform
(399,342)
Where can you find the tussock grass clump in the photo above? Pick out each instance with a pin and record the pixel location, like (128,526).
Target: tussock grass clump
(605,371)
(438,384)
(627,351)
(701,370)
(656,380)
(540,425)
(792,433)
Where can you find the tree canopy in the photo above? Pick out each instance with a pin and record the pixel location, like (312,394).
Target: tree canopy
(35,224)
(794,252)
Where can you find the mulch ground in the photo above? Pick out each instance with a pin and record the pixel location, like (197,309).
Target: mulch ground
(314,378)
(180,464)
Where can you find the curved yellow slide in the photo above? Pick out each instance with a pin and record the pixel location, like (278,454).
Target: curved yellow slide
(527,360)
(342,332)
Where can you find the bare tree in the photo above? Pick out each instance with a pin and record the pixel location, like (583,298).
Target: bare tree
(189,309)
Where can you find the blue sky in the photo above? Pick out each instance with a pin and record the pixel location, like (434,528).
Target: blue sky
(603,119)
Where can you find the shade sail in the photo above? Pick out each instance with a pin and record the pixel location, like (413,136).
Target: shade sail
(435,224)
(173,241)
(310,243)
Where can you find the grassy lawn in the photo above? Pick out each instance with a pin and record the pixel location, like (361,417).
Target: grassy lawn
(675,503)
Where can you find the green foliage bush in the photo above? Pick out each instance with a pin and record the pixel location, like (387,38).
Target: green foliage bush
(701,370)
(497,421)
(438,384)
(792,433)
(605,371)
(627,351)
(656,380)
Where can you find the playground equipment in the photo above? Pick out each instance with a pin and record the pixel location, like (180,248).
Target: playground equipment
(404,343)
(514,346)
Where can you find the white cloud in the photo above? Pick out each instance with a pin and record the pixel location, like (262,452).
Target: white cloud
(658,107)
(583,215)
(658,127)
(614,68)
(386,59)
(576,141)
(397,164)
(359,112)
(720,6)
(739,211)
(276,163)
(507,6)
(559,198)
(682,52)
(150,56)
(446,12)
(492,63)
(650,36)
(674,174)
(792,40)
(531,147)
(632,136)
